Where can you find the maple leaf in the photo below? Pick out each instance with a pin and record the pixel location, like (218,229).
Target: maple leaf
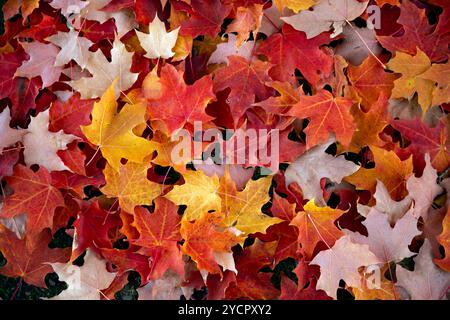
(85,282)
(199,193)
(177,104)
(248,20)
(41,145)
(73,47)
(358,44)
(41,63)
(92,228)
(250,283)
(411,67)
(416,33)
(158,236)
(370,80)
(326,14)
(206,17)
(158,43)
(243,210)
(29,258)
(384,203)
(70,115)
(387,243)
(424,139)
(126,260)
(426,282)
(439,73)
(327,115)
(113,132)
(246,81)
(342,262)
(204,239)
(290,50)
(33,195)
(288,97)
(230,48)
(314,165)
(130,185)
(316,224)
(104,73)
(370,124)
(389,169)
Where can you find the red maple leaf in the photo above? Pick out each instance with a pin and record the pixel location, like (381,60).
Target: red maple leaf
(290,50)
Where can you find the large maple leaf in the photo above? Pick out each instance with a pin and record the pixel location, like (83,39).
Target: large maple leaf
(159,235)
(327,14)
(342,262)
(328,115)
(370,124)
(130,185)
(70,115)
(113,132)
(369,80)
(387,243)
(206,17)
(199,193)
(290,50)
(314,165)
(35,196)
(29,258)
(41,63)
(243,211)
(92,228)
(85,282)
(105,72)
(410,82)
(247,81)
(176,103)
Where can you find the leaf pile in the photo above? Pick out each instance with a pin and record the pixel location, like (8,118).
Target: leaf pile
(92,205)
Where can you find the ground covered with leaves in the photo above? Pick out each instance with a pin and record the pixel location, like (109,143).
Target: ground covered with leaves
(354,205)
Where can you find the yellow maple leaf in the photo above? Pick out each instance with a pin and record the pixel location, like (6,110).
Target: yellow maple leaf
(244,211)
(294,5)
(411,67)
(130,185)
(113,132)
(199,193)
